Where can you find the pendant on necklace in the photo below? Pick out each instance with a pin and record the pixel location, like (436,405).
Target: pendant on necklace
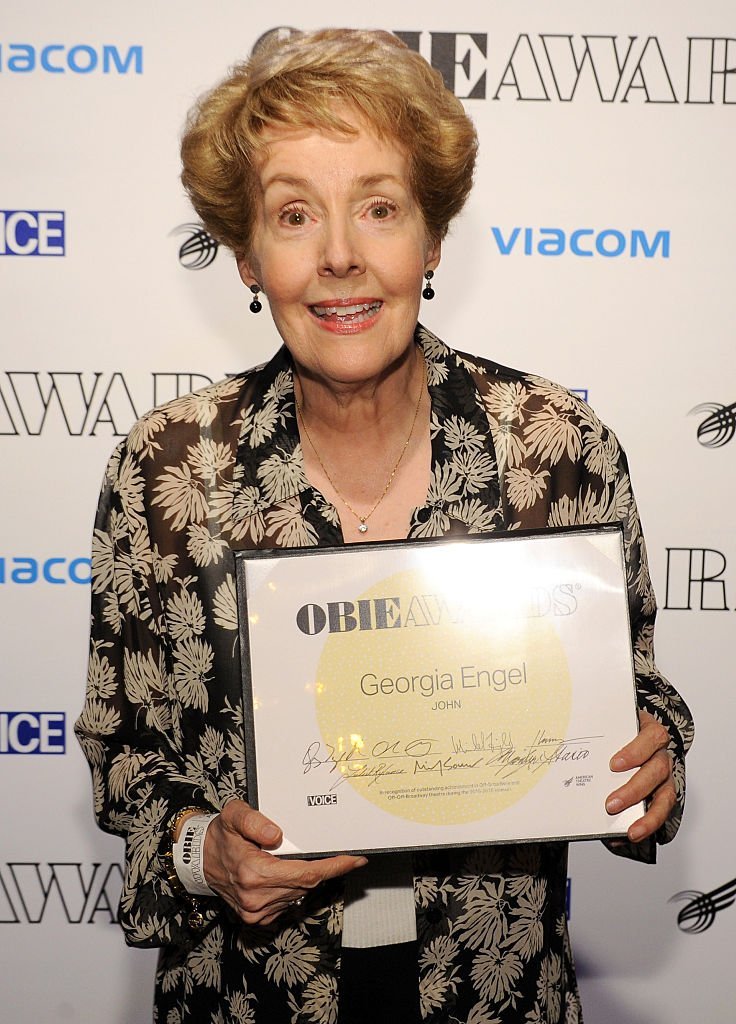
(362,528)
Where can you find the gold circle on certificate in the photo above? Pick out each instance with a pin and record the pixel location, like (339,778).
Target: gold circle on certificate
(450,722)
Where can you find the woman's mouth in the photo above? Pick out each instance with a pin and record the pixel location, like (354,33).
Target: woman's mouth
(346,315)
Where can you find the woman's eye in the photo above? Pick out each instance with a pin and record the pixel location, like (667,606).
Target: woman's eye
(380,211)
(294,218)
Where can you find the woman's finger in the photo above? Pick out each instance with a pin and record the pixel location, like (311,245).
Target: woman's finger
(656,771)
(652,737)
(660,808)
(238,816)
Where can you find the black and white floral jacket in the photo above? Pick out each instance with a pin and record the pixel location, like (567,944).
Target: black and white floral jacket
(162,725)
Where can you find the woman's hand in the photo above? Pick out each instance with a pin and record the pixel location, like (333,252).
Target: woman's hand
(258,886)
(653,782)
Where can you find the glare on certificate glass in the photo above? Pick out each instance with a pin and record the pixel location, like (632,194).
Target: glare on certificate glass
(456,573)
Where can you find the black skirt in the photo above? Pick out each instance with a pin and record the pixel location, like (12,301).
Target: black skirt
(380,983)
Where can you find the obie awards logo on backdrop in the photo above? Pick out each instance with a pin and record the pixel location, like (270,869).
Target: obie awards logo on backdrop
(563,67)
(85,404)
(696,580)
(32,233)
(74,892)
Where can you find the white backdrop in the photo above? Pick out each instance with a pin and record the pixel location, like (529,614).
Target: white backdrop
(101,319)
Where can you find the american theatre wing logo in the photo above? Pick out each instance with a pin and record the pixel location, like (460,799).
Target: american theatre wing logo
(701,908)
(718,425)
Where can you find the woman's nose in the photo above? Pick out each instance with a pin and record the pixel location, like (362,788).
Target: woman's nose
(341,254)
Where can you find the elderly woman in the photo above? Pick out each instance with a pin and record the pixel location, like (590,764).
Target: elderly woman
(331,164)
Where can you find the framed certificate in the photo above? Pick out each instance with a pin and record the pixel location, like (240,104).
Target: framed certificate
(437,693)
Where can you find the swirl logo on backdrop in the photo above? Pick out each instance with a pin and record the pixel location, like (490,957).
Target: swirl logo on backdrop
(32,233)
(59,892)
(701,908)
(199,248)
(563,67)
(718,425)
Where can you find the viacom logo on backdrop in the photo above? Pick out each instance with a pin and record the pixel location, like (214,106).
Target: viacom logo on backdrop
(79,59)
(609,242)
(32,233)
(55,570)
(563,67)
(32,732)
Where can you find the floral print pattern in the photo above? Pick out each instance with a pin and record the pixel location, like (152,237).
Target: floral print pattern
(162,724)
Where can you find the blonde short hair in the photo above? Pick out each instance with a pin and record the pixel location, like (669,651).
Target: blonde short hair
(297,82)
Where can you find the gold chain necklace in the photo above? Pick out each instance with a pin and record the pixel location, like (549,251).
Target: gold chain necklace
(363,520)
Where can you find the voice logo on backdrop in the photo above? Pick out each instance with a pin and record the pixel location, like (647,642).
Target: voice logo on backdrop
(32,732)
(565,67)
(32,233)
(52,892)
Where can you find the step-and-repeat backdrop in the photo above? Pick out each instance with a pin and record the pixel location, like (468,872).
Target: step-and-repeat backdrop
(597,250)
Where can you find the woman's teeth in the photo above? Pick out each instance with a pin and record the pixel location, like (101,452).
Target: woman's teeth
(354,314)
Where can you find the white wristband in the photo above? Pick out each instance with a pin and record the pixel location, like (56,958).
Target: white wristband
(188,852)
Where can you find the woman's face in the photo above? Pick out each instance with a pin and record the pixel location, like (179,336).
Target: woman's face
(340,249)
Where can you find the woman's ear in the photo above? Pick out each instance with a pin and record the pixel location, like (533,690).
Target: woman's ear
(247,272)
(434,254)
